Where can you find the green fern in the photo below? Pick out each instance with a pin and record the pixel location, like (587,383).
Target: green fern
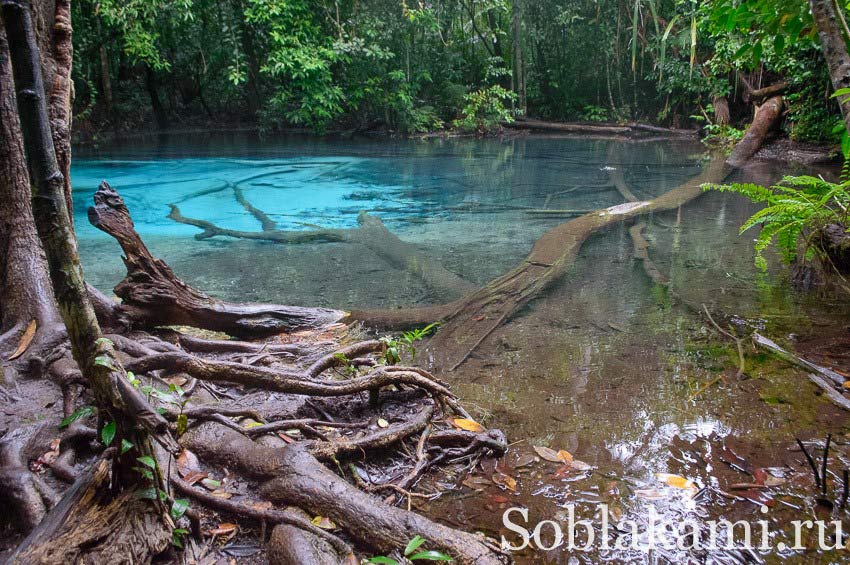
(795,209)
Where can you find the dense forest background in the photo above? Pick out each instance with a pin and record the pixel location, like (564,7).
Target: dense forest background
(421,66)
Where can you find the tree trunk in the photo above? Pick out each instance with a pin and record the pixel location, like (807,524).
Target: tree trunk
(519,79)
(834,50)
(159,114)
(96,358)
(765,119)
(24,283)
(721,110)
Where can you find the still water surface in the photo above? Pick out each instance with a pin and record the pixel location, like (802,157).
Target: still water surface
(624,376)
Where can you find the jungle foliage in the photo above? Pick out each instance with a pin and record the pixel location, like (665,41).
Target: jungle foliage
(419,66)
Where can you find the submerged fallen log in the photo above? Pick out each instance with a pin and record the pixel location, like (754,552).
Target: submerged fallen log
(466,323)
(628,129)
(371,233)
(152,294)
(825,379)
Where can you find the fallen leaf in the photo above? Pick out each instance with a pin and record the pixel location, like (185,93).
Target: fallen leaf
(506,481)
(525,461)
(251,424)
(565,456)
(467,424)
(193,477)
(580,465)
(223,529)
(211,484)
(383,423)
(264,505)
(26,339)
(548,454)
(187,462)
(220,493)
(499,499)
(774,481)
(323,522)
(675,481)
(176,381)
(760,475)
(285,437)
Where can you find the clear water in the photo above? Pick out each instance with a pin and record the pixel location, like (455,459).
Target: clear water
(605,366)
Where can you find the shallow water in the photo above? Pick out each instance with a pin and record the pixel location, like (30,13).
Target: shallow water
(626,377)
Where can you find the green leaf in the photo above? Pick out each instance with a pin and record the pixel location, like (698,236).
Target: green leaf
(147,460)
(104,361)
(78,414)
(413,545)
(126,446)
(179,507)
(107,434)
(382,559)
(430,556)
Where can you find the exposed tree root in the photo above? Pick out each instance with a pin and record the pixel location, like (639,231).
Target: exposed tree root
(153,295)
(301,480)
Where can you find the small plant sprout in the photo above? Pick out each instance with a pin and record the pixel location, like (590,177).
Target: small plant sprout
(411,554)
(405,343)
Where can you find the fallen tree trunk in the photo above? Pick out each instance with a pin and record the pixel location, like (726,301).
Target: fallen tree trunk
(604,129)
(152,294)
(765,119)
(760,94)
(372,234)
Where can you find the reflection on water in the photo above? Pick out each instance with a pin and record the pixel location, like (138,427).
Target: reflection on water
(621,374)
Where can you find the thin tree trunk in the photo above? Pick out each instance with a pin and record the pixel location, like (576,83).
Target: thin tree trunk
(834,50)
(519,80)
(156,104)
(96,358)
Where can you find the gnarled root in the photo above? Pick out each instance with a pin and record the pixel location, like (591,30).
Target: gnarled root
(153,295)
(300,479)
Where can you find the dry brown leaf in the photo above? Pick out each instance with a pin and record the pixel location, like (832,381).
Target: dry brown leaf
(548,454)
(577,465)
(26,339)
(285,437)
(221,493)
(383,423)
(506,481)
(187,462)
(467,424)
(223,529)
(193,477)
(264,505)
(176,381)
(565,456)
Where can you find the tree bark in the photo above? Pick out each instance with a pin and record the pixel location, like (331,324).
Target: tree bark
(721,110)
(153,295)
(95,356)
(834,51)
(767,115)
(24,282)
